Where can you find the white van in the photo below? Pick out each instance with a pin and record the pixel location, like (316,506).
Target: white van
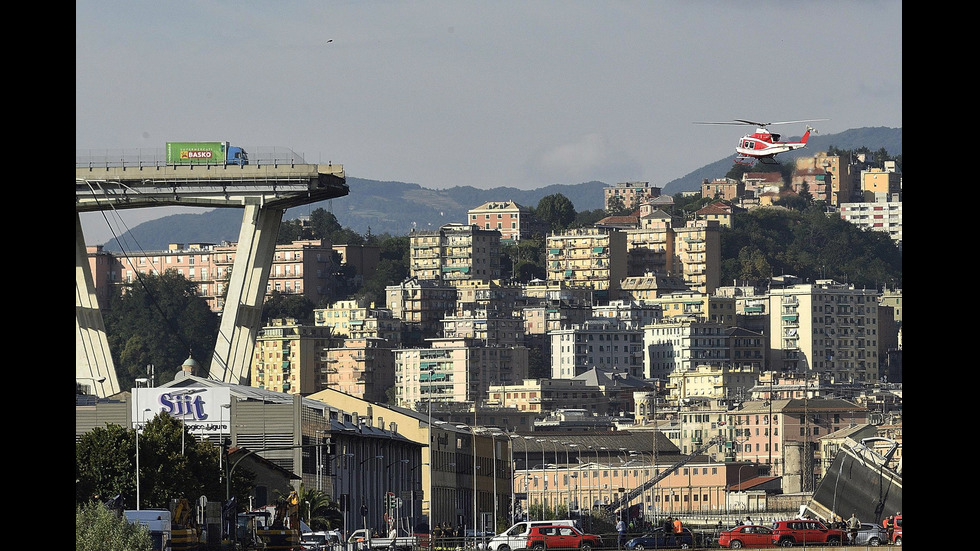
(515,537)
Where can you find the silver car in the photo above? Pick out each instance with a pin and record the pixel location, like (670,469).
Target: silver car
(871,534)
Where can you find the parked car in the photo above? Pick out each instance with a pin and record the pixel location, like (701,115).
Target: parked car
(319,541)
(747,535)
(515,537)
(561,537)
(658,538)
(788,533)
(871,534)
(897,533)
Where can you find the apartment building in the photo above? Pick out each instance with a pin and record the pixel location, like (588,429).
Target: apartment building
(102,266)
(711,307)
(542,396)
(421,305)
(302,267)
(750,349)
(726,189)
(492,296)
(758,184)
(697,250)
(363,367)
(691,251)
(348,318)
(485,326)
(719,211)
(651,286)
(785,434)
(814,181)
(881,184)
(588,257)
(838,176)
(604,343)
(512,220)
(883,217)
(455,370)
(699,487)
(825,327)
(710,382)
(287,356)
(632,313)
(631,193)
(454,253)
(677,344)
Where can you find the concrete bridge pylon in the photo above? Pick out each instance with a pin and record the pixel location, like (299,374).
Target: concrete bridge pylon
(264,190)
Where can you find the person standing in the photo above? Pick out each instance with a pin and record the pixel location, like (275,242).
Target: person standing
(678,532)
(621,528)
(853,524)
(889,527)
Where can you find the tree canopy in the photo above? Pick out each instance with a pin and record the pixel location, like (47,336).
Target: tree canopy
(809,244)
(174,464)
(158,320)
(556,210)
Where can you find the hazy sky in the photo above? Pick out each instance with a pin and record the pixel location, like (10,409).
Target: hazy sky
(483,93)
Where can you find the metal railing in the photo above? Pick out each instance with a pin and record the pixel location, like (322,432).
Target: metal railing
(156,157)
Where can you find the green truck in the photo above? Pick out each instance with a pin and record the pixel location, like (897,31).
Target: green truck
(205,153)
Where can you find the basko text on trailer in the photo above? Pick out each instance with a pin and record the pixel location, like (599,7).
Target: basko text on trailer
(205,153)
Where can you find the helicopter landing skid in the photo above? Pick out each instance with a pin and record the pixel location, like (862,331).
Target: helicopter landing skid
(744,161)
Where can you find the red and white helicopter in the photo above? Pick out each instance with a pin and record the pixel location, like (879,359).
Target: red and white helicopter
(763,145)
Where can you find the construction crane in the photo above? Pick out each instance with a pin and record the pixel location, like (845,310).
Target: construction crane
(618,504)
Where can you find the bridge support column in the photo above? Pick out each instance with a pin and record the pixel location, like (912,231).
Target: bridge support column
(241,318)
(93,361)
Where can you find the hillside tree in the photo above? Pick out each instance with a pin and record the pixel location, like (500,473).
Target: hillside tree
(159,320)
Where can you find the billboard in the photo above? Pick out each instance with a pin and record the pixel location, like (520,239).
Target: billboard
(204,410)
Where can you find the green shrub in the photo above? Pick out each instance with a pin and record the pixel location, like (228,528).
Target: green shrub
(99,529)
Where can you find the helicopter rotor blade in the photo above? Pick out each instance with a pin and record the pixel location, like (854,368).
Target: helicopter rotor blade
(796,122)
(726,123)
(761,124)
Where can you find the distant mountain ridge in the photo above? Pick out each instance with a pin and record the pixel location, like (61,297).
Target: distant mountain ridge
(398,207)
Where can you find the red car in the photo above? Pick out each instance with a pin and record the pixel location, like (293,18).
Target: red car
(787,533)
(561,537)
(749,535)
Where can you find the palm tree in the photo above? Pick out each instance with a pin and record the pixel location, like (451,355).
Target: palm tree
(319,511)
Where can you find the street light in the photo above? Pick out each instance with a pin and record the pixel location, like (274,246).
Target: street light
(221,438)
(568,463)
(97,380)
(142,420)
(557,488)
(346,502)
(364,508)
(319,458)
(544,477)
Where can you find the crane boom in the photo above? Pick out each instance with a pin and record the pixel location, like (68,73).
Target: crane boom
(618,504)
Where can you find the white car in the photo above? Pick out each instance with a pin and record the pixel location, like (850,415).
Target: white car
(515,537)
(319,541)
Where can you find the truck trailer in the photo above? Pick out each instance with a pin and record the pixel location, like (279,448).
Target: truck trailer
(205,153)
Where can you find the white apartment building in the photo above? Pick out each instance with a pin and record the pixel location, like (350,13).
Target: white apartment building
(883,217)
(825,327)
(681,344)
(632,313)
(455,370)
(605,343)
